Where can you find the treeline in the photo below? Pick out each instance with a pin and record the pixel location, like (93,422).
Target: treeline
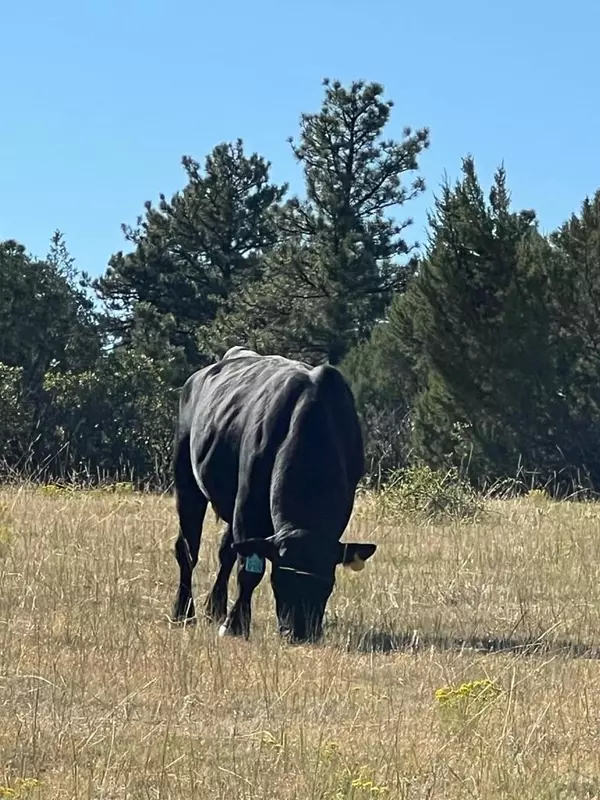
(479,350)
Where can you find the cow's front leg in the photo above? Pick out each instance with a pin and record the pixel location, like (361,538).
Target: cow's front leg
(216,602)
(250,572)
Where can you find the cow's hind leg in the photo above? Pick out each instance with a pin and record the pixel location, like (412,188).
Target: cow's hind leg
(216,602)
(191,508)
(250,572)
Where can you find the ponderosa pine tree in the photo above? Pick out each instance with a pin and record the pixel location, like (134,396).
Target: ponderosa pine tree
(341,254)
(190,253)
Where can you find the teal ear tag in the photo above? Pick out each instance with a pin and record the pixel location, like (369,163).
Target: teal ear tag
(255,564)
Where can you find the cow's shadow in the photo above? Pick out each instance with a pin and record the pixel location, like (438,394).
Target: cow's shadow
(354,638)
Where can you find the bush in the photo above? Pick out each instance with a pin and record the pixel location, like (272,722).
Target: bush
(115,422)
(429,495)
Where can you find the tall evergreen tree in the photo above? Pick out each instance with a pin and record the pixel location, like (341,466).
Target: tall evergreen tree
(45,318)
(190,253)
(575,309)
(46,321)
(472,331)
(341,254)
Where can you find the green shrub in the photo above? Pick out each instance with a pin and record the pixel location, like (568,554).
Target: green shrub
(432,496)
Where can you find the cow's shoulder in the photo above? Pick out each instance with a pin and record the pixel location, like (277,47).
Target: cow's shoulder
(331,384)
(242,374)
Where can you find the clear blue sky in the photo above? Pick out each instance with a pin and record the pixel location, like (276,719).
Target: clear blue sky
(101,99)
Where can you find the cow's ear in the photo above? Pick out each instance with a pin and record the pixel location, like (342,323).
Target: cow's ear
(264,548)
(354,554)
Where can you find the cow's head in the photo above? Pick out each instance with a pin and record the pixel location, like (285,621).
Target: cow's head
(303,576)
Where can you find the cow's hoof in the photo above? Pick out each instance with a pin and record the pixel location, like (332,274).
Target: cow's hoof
(183,611)
(227,629)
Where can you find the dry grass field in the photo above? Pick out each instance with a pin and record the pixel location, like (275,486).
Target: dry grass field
(100,697)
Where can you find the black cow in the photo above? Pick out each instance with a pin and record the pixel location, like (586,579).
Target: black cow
(276,448)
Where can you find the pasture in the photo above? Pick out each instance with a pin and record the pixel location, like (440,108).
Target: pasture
(100,697)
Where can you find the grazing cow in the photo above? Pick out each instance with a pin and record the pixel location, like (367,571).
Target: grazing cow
(276,448)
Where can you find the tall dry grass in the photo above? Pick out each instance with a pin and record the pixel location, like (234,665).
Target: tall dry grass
(101,698)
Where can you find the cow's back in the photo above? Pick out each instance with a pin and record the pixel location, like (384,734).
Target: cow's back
(236,413)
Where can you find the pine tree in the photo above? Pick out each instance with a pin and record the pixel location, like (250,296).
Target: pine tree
(191,253)
(46,321)
(44,316)
(340,254)
(472,332)
(575,308)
